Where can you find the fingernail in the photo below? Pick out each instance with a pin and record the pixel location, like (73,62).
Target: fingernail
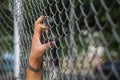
(53,42)
(46,16)
(43,26)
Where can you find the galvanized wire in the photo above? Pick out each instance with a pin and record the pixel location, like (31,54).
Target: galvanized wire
(86,33)
(6,41)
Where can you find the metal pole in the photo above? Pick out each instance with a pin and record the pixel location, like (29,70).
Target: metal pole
(18,18)
(72,30)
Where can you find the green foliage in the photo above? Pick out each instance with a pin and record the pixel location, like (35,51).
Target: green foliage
(82,40)
(6,27)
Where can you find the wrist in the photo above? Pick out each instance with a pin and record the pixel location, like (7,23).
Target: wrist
(34,62)
(33,68)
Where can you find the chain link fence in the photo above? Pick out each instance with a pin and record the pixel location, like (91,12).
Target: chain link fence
(6,41)
(86,32)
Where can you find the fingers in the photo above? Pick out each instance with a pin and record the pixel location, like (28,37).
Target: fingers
(49,45)
(39,26)
(38,31)
(46,46)
(40,19)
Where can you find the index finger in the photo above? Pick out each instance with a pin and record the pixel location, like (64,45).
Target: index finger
(40,19)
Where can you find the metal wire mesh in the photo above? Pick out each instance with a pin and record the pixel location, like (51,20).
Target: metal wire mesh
(6,40)
(86,32)
(87,38)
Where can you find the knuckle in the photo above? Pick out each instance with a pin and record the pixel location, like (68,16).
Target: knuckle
(35,23)
(41,16)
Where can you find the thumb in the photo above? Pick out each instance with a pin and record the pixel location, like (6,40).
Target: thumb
(49,44)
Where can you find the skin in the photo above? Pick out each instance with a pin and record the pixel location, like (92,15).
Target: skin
(37,50)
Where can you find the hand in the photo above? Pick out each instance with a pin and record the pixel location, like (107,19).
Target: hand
(38,49)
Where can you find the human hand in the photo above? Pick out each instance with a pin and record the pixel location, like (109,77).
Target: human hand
(37,48)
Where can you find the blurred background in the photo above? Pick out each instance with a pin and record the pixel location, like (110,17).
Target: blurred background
(6,41)
(87,35)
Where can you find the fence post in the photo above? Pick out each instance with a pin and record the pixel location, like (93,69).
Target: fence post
(18,19)
(72,30)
